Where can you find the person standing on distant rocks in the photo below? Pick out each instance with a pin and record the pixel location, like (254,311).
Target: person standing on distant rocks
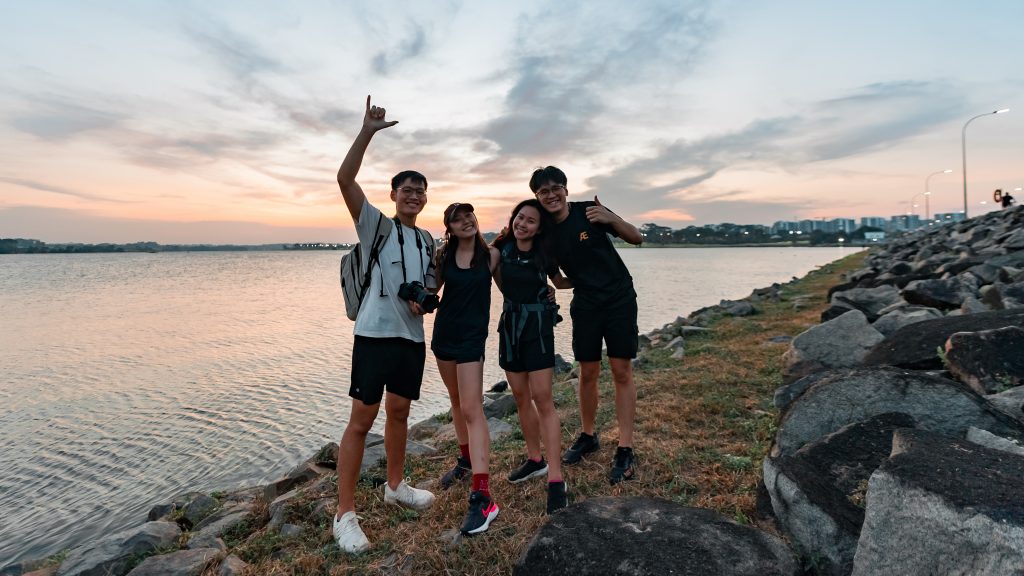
(389,350)
(603,308)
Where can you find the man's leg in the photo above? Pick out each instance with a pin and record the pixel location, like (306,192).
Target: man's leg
(625,398)
(396,429)
(588,395)
(350,455)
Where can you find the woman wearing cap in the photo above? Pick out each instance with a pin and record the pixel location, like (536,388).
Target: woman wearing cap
(464,268)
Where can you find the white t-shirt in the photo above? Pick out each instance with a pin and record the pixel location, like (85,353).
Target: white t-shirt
(388,316)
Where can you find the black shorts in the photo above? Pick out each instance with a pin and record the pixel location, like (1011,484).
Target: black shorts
(395,364)
(615,326)
(459,354)
(527,355)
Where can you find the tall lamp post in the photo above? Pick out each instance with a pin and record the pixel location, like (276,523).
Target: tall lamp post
(927,193)
(963,149)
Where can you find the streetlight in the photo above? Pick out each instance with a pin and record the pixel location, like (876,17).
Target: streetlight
(927,192)
(963,149)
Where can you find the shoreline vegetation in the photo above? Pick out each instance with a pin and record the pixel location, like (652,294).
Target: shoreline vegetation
(28,246)
(705,420)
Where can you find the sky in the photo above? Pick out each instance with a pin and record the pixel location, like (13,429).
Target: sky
(225,122)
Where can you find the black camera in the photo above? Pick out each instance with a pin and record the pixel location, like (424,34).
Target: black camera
(415,292)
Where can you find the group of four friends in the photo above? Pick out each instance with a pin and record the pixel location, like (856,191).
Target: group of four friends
(547,238)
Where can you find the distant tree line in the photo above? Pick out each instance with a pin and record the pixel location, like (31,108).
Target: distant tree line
(727,234)
(28,246)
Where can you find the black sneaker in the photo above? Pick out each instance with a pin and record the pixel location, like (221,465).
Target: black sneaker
(558,496)
(584,444)
(461,471)
(622,466)
(482,510)
(529,469)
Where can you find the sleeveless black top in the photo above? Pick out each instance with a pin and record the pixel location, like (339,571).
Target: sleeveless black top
(464,311)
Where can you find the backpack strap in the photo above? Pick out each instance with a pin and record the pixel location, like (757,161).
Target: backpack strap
(381,234)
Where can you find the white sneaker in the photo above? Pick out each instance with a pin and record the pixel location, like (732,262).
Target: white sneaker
(349,535)
(408,496)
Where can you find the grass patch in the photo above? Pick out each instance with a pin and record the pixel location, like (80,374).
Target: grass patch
(703,425)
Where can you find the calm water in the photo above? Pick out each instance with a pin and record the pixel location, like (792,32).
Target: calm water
(128,378)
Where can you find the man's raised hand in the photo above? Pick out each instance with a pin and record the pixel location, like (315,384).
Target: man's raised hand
(374,117)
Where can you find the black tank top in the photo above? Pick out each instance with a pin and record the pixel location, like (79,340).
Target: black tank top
(465,306)
(523,281)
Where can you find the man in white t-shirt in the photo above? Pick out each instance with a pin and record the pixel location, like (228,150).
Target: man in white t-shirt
(389,351)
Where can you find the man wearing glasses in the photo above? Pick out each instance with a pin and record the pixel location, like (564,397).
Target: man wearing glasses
(389,349)
(603,309)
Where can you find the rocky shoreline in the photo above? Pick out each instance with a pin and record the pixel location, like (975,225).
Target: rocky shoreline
(896,449)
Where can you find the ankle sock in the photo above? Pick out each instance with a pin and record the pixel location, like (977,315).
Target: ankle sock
(537,460)
(481,483)
(464,451)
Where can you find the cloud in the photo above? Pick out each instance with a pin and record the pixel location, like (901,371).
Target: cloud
(42,186)
(555,100)
(57,118)
(871,118)
(410,47)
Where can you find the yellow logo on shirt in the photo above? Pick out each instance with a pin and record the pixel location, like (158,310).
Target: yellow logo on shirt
(584,236)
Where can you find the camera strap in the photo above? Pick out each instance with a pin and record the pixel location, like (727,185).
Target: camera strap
(401,250)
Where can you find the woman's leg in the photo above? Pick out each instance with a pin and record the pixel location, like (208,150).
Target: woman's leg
(528,421)
(470,393)
(540,382)
(450,376)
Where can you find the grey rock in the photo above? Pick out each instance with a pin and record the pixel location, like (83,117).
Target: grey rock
(499,429)
(301,474)
(1009,402)
(870,301)
(944,294)
(278,509)
(844,397)
(838,343)
(291,530)
(784,395)
(181,563)
(112,555)
(989,361)
(817,493)
(327,456)
(924,518)
(501,407)
(561,366)
(222,525)
(198,507)
(679,354)
(781,339)
(737,308)
(224,511)
(206,541)
(232,566)
(676,342)
(647,536)
(990,440)
(500,386)
(916,346)
(160,512)
(988,273)
(972,305)
(424,429)
(896,319)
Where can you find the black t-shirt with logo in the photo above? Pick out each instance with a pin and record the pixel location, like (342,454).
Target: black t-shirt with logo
(587,257)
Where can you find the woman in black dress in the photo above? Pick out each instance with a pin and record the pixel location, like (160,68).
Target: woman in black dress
(464,268)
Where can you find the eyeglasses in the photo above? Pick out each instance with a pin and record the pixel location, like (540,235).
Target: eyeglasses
(552,191)
(408,191)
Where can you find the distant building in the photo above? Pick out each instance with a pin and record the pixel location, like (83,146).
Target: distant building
(904,222)
(846,225)
(783,226)
(874,236)
(872,221)
(943,217)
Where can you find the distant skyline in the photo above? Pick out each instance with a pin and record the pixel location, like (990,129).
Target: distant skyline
(189,122)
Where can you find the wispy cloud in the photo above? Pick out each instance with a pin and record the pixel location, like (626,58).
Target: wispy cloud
(55,118)
(412,45)
(44,187)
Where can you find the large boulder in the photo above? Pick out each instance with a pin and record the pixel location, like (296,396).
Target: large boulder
(989,361)
(868,300)
(114,554)
(817,493)
(1011,402)
(942,505)
(838,343)
(848,396)
(904,316)
(944,294)
(916,346)
(181,563)
(647,536)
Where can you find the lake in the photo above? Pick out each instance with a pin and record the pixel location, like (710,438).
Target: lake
(126,379)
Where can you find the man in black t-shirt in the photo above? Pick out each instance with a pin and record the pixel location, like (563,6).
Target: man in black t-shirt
(603,309)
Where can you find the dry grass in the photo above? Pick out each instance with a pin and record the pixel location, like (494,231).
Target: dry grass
(702,428)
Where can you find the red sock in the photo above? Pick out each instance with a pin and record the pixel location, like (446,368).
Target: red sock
(536,459)
(464,450)
(481,484)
